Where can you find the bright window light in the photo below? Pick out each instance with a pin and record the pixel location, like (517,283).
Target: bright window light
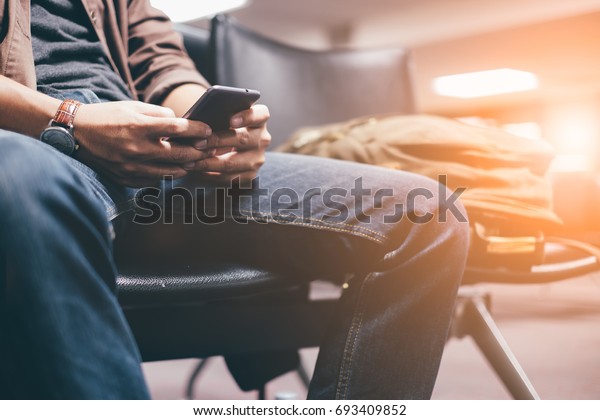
(529,130)
(571,163)
(484,83)
(183,10)
(574,128)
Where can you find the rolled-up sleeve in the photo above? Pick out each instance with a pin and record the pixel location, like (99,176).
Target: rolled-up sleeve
(157,58)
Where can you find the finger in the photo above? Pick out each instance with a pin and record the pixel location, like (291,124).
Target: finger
(175,128)
(233,162)
(169,152)
(159,171)
(239,178)
(256,116)
(222,150)
(240,138)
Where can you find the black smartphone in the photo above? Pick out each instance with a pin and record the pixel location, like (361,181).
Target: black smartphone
(219,104)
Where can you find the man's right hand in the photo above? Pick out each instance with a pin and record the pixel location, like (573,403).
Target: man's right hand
(125,141)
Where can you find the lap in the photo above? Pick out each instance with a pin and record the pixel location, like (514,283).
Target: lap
(299,209)
(302,212)
(345,197)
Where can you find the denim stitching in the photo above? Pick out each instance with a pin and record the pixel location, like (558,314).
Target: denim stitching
(330,228)
(120,208)
(318,221)
(97,188)
(327,225)
(306,222)
(125,206)
(343,386)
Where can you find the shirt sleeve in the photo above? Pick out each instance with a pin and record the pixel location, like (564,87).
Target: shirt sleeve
(157,58)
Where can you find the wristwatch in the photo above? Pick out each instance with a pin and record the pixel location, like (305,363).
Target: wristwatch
(59,133)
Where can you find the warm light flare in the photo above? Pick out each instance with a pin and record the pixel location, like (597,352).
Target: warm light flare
(182,11)
(484,83)
(528,130)
(571,163)
(574,129)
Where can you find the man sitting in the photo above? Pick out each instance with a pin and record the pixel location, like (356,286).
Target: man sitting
(113,79)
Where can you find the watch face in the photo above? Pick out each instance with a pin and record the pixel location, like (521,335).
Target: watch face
(60,138)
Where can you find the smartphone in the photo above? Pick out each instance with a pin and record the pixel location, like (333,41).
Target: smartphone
(219,104)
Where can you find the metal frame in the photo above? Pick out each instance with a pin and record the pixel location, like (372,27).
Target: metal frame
(472,318)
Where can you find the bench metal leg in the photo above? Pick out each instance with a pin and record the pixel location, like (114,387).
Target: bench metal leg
(473,318)
(262,391)
(189,389)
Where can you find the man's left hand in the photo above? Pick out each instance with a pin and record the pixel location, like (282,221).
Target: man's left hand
(239,152)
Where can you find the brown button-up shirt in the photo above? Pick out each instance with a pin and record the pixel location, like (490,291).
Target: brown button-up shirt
(139,41)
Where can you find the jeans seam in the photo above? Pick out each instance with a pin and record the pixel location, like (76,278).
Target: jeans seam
(97,188)
(356,230)
(122,207)
(353,230)
(342,385)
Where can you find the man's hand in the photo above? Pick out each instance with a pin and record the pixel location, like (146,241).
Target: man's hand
(125,141)
(237,153)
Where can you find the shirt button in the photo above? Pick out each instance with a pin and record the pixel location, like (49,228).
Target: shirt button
(93,16)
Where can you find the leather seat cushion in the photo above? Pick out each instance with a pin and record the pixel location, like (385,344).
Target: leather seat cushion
(215,281)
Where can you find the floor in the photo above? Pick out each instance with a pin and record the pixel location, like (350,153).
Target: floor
(553,329)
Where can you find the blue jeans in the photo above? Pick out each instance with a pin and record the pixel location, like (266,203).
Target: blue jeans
(62,332)
(401,237)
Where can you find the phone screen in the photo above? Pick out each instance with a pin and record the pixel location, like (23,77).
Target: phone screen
(219,104)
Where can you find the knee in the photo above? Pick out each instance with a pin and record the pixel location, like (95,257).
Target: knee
(433,216)
(432,202)
(452,222)
(36,181)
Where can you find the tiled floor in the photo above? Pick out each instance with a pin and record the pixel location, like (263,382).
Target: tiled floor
(553,329)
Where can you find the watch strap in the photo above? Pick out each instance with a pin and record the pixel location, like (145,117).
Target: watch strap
(66,113)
